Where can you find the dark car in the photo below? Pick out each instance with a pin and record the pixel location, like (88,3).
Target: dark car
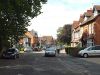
(11,53)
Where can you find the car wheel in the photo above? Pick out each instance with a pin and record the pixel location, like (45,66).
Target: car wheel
(54,55)
(17,56)
(14,57)
(45,55)
(85,55)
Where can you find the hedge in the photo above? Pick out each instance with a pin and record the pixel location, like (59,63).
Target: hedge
(73,51)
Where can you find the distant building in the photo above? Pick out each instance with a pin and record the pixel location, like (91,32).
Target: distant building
(75,34)
(47,40)
(30,39)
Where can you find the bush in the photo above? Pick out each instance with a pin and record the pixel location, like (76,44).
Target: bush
(73,51)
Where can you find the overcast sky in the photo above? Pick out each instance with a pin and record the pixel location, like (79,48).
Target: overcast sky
(57,13)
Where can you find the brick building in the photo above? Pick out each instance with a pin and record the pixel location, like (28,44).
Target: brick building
(30,39)
(91,27)
(87,29)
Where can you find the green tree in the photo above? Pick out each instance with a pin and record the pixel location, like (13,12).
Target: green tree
(15,16)
(64,34)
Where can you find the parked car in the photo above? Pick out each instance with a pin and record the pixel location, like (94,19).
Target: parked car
(37,48)
(27,49)
(11,53)
(90,51)
(43,48)
(51,51)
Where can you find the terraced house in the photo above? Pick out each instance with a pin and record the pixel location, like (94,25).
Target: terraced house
(89,27)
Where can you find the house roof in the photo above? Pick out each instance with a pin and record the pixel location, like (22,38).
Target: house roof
(90,19)
(89,13)
(28,34)
(81,19)
(75,24)
(47,38)
(25,36)
(34,33)
(97,7)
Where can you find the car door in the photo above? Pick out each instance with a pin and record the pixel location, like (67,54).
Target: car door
(97,50)
(91,51)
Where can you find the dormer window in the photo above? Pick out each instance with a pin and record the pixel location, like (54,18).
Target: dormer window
(95,13)
(85,18)
(96,10)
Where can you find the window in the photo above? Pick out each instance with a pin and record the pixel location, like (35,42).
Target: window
(90,42)
(90,48)
(93,48)
(95,13)
(92,28)
(97,47)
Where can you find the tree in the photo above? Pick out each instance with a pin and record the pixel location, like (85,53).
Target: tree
(59,35)
(15,16)
(64,34)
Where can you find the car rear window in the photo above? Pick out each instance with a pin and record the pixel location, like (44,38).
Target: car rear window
(51,49)
(97,47)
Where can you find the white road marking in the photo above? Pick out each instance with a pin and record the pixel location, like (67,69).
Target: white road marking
(15,67)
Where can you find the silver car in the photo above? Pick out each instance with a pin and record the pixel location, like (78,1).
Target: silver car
(51,51)
(90,51)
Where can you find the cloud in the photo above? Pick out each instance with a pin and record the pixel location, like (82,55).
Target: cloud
(52,18)
(57,15)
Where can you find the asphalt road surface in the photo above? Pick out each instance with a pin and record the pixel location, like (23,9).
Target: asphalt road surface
(35,63)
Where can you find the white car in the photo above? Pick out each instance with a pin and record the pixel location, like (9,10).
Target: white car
(51,51)
(90,51)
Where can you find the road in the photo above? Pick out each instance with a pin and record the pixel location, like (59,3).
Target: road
(35,63)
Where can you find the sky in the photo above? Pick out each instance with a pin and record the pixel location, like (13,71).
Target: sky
(57,13)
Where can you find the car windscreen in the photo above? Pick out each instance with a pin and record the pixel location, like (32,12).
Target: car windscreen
(88,48)
(10,50)
(50,49)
